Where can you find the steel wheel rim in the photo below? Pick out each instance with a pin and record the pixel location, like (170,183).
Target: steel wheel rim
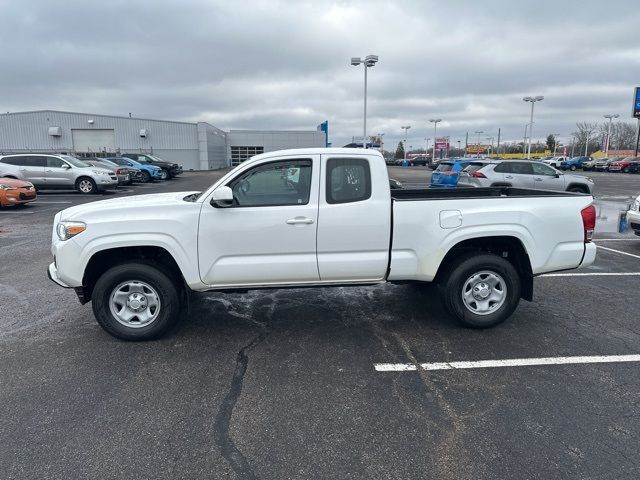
(484,292)
(163,175)
(85,186)
(134,304)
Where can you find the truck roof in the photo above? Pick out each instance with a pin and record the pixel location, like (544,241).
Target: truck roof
(316,151)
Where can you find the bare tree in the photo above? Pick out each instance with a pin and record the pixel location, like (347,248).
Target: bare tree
(623,135)
(586,131)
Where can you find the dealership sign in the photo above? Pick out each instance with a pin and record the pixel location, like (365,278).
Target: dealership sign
(636,103)
(475,148)
(442,143)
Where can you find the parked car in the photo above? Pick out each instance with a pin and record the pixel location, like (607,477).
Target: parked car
(420,160)
(589,164)
(135,174)
(148,172)
(574,163)
(554,161)
(621,165)
(434,164)
(634,165)
(169,169)
(16,192)
(633,216)
(448,171)
(53,171)
(122,173)
(524,174)
(137,264)
(602,164)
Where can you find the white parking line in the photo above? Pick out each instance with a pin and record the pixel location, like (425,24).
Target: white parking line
(616,239)
(40,202)
(618,251)
(515,362)
(593,274)
(22,212)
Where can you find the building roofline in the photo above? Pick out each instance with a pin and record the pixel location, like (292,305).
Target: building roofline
(99,115)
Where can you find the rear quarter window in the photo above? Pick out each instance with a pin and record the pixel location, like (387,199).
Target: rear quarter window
(444,167)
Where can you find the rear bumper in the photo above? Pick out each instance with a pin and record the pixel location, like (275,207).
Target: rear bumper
(589,254)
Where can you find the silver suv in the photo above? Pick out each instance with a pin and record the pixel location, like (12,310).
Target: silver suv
(57,172)
(522,174)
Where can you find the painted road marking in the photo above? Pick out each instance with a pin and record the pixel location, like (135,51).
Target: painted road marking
(514,362)
(616,239)
(592,274)
(618,251)
(39,202)
(21,212)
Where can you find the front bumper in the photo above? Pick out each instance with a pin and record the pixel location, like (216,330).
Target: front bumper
(52,273)
(19,196)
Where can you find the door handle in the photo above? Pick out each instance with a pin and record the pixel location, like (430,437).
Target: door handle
(537,179)
(299,220)
(508,176)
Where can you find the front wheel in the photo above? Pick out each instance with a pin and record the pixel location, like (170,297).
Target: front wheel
(573,168)
(86,185)
(481,290)
(625,170)
(136,301)
(163,174)
(145,177)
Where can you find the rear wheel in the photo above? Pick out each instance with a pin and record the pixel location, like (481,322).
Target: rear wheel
(136,301)
(625,170)
(578,190)
(86,185)
(481,290)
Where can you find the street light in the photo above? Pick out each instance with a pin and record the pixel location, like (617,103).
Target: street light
(426,147)
(610,117)
(533,101)
(459,148)
(492,139)
(435,122)
(478,132)
(555,142)
(405,128)
(369,61)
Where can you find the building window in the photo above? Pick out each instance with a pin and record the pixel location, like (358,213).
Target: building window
(240,154)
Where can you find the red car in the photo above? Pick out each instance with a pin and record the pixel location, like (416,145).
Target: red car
(621,165)
(16,192)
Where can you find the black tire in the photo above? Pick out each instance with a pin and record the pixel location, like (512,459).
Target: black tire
(145,177)
(86,185)
(164,175)
(577,190)
(462,270)
(625,170)
(572,168)
(166,288)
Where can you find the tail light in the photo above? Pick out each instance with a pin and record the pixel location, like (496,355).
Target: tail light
(477,174)
(588,222)
(120,171)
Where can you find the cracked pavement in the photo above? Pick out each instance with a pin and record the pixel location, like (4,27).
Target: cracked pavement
(280,384)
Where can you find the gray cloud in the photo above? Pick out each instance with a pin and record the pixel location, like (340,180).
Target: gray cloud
(285,64)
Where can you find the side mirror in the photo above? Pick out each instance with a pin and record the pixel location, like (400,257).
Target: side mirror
(222,197)
(66,166)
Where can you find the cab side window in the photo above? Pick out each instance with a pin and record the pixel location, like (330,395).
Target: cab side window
(542,169)
(273,184)
(348,180)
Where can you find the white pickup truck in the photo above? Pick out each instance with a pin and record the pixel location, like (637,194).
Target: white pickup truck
(315,217)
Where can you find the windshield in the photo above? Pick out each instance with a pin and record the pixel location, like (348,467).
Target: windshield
(74,161)
(157,159)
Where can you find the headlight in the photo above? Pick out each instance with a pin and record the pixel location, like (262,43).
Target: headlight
(100,172)
(66,230)
(7,187)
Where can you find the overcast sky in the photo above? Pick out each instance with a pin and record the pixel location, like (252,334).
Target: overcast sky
(285,64)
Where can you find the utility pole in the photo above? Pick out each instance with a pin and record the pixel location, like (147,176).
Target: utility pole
(498,147)
(405,128)
(610,117)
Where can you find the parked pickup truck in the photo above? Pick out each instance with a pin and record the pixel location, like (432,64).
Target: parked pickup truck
(315,217)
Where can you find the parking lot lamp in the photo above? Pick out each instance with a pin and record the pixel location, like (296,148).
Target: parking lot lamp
(405,128)
(610,117)
(555,143)
(435,122)
(533,100)
(369,61)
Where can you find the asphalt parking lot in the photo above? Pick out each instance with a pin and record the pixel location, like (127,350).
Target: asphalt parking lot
(283,384)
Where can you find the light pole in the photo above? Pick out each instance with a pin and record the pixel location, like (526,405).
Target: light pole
(478,133)
(459,148)
(435,122)
(586,144)
(524,140)
(533,101)
(555,142)
(426,146)
(610,117)
(405,128)
(369,61)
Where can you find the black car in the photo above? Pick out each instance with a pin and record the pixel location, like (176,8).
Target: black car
(169,169)
(634,166)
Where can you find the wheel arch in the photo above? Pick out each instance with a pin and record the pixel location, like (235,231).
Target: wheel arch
(102,260)
(508,247)
(581,186)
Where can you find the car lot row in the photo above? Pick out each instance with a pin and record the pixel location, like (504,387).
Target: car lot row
(22,175)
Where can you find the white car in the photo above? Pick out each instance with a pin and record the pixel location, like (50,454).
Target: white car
(633,216)
(315,217)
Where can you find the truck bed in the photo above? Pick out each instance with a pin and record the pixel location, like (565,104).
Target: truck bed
(483,192)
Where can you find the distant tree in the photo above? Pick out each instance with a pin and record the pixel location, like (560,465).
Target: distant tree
(623,135)
(400,150)
(551,141)
(585,131)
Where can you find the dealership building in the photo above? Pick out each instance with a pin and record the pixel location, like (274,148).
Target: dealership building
(197,146)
